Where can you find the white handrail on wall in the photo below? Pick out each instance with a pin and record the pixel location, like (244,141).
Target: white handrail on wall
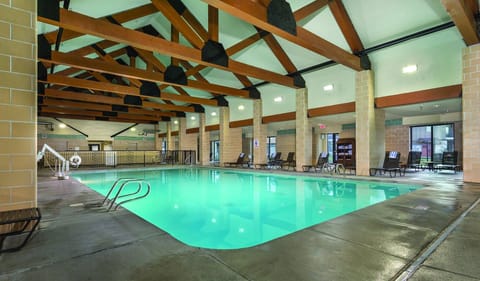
(61,172)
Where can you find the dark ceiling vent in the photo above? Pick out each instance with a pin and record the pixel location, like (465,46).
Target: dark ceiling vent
(164,118)
(254,93)
(175,74)
(198,108)
(119,108)
(365,62)
(180,114)
(149,89)
(109,114)
(178,6)
(150,30)
(44,48)
(298,80)
(214,52)
(49,9)
(279,14)
(221,101)
(131,52)
(132,100)
(42,72)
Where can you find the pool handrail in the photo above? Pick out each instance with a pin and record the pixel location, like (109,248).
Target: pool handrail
(124,182)
(140,185)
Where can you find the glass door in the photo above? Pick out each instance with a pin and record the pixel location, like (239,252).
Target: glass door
(215,151)
(332,139)
(432,141)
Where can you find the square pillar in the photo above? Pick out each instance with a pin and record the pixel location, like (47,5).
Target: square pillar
(230,139)
(18,106)
(158,140)
(471,114)
(170,143)
(185,141)
(370,129)
(259,134)
(303,136)
(204,141)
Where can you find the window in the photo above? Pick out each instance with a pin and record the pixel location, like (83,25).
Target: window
(271,146)
(432,140)
(215,151)
(332,139)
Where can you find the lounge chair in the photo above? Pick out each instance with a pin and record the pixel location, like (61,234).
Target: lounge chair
(413,160)
(320,165)
(276,161)
(391,165)
(238,163)
(290,162)
(449,161)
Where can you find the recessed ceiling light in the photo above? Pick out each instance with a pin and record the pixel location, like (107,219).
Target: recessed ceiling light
(62,126)
(175,122)
(409,68)
(278,99)
(213,113)
(133,129)
(192,118)
(328,87)
(241,107)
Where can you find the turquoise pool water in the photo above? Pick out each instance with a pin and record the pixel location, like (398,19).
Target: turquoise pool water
(221,209)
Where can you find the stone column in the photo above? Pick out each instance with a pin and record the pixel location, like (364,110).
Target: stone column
(303,137)
(230,139)
(259,134)
(204,139)
(18,105)
(369,132)
(185,141)
(158,140)
(471,114)
(170,143)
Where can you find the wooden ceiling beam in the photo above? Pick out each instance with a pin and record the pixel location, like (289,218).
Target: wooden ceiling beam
(309,9)
(279,53)
(72,112)
(129,72)
(346,26)
(257,15)
(178,22)
(464,19)
(213,33)
(119,101)
(103,107)
(120,17)
(81,117)
(81,23)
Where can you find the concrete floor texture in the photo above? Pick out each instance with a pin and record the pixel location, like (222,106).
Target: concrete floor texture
(429,234)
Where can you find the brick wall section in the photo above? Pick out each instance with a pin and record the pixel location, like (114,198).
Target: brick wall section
(186,141)
(259,134)
(285,144)
(230,138)
(18,110)
(397,138)
(303,141)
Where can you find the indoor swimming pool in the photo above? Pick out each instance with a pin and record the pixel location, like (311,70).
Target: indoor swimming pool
(224,209)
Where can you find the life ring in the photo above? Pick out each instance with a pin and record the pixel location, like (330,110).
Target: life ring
(75,161)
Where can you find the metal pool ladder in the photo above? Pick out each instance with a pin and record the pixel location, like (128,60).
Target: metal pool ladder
(143,187)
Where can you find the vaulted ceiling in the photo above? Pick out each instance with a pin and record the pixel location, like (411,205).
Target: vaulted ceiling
(144,61)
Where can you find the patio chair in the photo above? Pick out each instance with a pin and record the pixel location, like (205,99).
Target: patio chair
(238,163)
(276,161)
(321,161)
(449,161)
(290,162)
(413,160)
(391,165)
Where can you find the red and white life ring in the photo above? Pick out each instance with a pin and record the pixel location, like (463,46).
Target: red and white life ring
(75,161)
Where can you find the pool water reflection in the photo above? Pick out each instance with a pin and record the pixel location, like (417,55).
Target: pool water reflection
(221,209)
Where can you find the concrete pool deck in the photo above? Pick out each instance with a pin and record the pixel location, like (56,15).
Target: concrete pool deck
(78,241)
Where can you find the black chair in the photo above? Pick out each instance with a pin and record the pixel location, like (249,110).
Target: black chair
(449,161)
(238,163)
(391,165)
(321,161)
(413,160)
(290,162)
(276,161)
